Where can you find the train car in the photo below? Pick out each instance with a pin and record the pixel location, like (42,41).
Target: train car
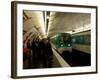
(62,42)
(82,41)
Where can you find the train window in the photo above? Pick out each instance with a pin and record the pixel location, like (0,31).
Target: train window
(73,40)
(87,39)
(82,39)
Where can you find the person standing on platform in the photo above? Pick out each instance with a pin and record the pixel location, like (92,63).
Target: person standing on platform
(43,54)
(47,54)
(25,56)
(34,62)
(29,55)
(37,50)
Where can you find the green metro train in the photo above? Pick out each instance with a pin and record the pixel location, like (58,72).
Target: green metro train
(79,41)
(62,42)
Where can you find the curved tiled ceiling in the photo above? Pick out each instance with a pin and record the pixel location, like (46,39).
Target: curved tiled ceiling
(35,24)
(53,22)
(63,22)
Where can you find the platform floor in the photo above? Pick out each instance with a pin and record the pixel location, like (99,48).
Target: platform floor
(74,59)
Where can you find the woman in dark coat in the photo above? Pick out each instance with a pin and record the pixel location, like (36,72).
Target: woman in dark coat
(47,54)
(34,56)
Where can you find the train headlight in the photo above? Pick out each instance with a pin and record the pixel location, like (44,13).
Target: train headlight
(69,45)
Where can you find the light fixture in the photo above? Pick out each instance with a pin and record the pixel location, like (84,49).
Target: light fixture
(48,17)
